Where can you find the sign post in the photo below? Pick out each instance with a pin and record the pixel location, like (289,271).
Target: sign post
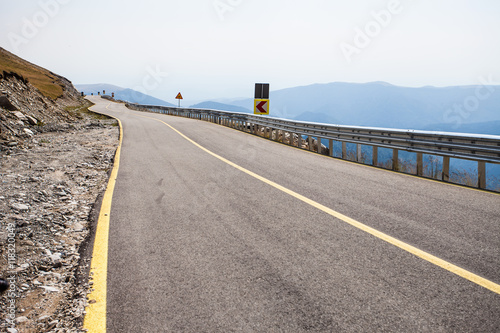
(261,102)
(179,97)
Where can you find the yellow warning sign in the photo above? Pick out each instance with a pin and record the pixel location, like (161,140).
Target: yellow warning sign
(261,106)
(179,96)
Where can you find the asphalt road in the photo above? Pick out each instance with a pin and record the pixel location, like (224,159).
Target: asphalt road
(197,245)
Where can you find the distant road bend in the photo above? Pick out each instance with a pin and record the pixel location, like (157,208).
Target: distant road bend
(216,230)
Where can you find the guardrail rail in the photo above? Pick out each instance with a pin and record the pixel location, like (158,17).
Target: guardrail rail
(307,135)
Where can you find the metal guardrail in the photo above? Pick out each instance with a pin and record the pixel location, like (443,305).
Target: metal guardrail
(480,148)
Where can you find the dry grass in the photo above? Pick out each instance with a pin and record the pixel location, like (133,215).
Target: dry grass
(82,111)
(46,82)
(464,177)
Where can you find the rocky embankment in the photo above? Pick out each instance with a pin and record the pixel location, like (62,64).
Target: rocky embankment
(55,156)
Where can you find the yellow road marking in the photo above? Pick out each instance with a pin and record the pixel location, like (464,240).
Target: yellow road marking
(389,239)
(95,319)
(436,181)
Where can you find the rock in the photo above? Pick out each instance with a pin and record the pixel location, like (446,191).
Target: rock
(21,319)
(19,207)
(50,289)
(43,318)
(78,227)
(22,268)
(28,131)
(6,104)
(31,120)
(52,324)
(20,115)
(56,260)
(4,285)
(12,330)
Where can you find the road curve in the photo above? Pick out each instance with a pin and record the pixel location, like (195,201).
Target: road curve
(196,245)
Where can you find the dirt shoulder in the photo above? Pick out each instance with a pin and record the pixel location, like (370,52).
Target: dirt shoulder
(48,192)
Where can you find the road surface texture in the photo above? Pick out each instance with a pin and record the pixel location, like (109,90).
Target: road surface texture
(197,245)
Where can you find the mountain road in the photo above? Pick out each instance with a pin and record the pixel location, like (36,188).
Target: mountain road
(216,230)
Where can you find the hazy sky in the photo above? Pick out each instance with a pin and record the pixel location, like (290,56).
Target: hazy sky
(210,49)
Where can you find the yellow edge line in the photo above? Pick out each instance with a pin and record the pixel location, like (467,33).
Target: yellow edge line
(389,239)
(95,319)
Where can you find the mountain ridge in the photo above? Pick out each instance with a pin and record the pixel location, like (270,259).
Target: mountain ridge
(377,104)
(124,94)
(371,104)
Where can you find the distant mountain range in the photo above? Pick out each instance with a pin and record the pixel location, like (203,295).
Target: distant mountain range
(220,106)
(124,94)
(467,109)
(474,109)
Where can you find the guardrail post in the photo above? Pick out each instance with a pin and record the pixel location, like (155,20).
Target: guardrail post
(420,164)
(481,174)
(330,147)
(344,150)
(446,169)
(319,145)
(375,156)
(358,152)
(310,141)
(395,159)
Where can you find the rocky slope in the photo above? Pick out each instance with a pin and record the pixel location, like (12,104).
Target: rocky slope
(54,163)
(33,100)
